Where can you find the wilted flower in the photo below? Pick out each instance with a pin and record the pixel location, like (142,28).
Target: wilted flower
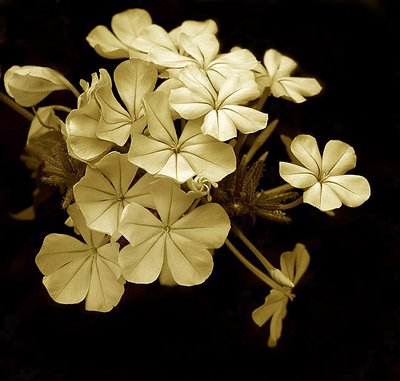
(324,180)
(293,266)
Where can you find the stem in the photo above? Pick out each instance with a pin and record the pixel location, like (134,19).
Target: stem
(253,249)
(16,107)
(62,108)
(293,204)
(239,143)
(278,189)
(263,98)
(265,278)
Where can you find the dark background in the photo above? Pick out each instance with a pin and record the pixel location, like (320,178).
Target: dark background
(344,322)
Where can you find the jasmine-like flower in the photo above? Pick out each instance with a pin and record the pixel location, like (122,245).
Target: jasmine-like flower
(28,85)
(74,270)
(176,241)
(107,188)
(282,84)
(323,178)
(162,153)
(293,266)
(224,112)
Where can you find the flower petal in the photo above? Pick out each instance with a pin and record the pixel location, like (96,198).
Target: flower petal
(294,263)
(219,125)
(352,190)
(337,158)
(271,305)
(296,176)
(70,283)
(106,45)
(189,103)
(159,119)
(277,64)
(322,197)
(305,148)
(295,88)
(246,119)
(171,202)
(143,262)
(207,225)
(105,290)
(128,24)
(138,224)
(134,79)
(58,250)
(189,264)
(207,156)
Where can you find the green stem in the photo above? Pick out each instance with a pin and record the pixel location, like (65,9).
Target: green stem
(257,272)
(16,107)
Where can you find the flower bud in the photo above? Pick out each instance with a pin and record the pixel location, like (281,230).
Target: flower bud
(28,85)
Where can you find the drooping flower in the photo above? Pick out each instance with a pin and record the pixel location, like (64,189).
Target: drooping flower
(278,77)
(323,178)
(224,112)
(106,189)
(177,242)
(28,85)
(75,270)
(162,153)
(293,266)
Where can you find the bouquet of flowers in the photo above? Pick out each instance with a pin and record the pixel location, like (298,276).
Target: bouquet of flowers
(162,162)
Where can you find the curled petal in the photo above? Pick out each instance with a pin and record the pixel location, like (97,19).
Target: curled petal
(295,88)
(277,64)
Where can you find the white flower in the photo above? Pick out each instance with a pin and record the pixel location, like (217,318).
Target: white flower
(223,112)
(293,266)
(282,84)
(74,270)
(175,240)
(106,189)
(162,153)
(323,178)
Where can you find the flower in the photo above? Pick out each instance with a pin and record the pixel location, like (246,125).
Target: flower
(74,270)
(324,180)
(162,153)
(176,242)
(29,85)
(293,266)
(223,112)
(106,189)
(282,84)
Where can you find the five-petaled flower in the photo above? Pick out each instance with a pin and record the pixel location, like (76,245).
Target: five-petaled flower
(323,178)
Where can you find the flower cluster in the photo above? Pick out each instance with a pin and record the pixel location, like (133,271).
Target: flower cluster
(155,167)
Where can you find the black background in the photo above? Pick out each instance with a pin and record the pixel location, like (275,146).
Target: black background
(344,322)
